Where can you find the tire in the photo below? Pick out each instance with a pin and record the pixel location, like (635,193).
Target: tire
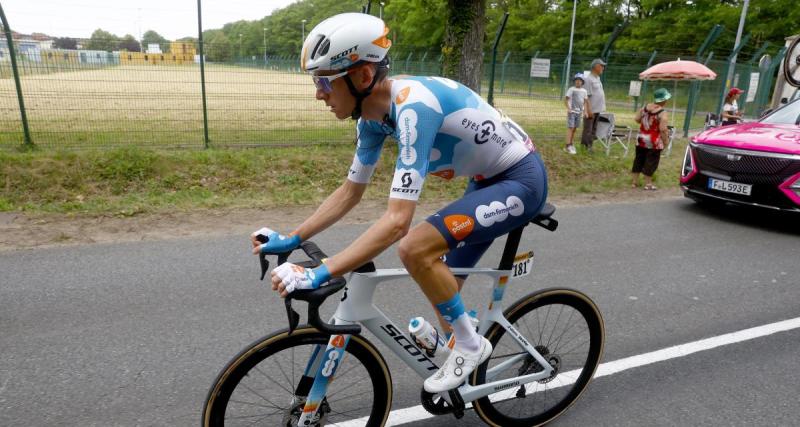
(255,387)
(546,399)
(791,63)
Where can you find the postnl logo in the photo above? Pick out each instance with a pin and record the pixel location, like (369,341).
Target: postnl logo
(402,96)
(460,226)
(446,174)
(338,341)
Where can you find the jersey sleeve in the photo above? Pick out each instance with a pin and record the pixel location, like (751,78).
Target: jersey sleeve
(417,126)
(368,151)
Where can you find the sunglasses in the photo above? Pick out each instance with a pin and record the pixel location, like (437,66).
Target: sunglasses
(325,83)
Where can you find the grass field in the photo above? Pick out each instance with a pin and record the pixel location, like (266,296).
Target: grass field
(161,106)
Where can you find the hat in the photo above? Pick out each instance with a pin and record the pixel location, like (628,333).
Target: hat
(598,61)
(661,95)
(734,91)
(579,76)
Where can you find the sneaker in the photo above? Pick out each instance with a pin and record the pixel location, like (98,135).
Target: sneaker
(457,368)
(571,150)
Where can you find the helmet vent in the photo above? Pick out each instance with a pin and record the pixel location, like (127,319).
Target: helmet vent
(325,46)
(317,51)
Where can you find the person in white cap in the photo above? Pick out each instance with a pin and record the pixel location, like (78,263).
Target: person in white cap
(597,102)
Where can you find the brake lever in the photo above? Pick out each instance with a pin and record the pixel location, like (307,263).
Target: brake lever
(294,318)
(262,258)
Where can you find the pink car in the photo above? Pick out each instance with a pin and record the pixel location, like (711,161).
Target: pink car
(756,164)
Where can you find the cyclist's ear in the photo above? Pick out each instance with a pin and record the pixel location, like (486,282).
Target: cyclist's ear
(362,75)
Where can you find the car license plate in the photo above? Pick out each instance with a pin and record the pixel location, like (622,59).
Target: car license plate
(729,186)
(522,264)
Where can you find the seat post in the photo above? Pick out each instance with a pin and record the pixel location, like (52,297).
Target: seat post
(510,250)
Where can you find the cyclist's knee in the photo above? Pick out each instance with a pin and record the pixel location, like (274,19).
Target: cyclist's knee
(419,247)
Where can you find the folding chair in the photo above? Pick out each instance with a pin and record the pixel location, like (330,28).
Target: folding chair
(711,121)
(608,133)
(669,143)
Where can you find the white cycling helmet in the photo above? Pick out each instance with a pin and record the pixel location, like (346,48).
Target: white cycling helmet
(343,41)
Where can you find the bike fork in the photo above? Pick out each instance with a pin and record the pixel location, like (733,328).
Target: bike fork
(324,369)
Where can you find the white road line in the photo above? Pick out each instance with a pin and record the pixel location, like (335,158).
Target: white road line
(417,413)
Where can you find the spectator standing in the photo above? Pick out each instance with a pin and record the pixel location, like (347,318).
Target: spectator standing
(576,101)
(730,110)
(653,134)
(597,102)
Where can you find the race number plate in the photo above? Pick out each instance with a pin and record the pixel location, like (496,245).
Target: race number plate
(522,264)
(729,187)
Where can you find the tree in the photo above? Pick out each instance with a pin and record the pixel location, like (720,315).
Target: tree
(65,43)
(102,40)
(129,43)
(218,48)
(463,42)
(150,37)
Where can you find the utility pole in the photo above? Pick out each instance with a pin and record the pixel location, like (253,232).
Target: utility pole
(729,77)
(304,32)
(240,47)
(380,13)
(571,36)
(265,46)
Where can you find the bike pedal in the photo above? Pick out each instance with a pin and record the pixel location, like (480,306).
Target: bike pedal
(458,403)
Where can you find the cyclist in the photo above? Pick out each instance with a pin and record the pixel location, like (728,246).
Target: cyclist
(442,128)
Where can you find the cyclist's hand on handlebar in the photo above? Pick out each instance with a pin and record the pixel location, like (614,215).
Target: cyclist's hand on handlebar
(287,277)
(276,242)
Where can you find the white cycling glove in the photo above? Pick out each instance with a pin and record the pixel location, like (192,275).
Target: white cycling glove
(296,277)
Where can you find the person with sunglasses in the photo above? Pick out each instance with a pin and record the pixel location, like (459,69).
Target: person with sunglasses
(441,128)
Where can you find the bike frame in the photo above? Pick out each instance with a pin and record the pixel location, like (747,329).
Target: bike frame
(356,306)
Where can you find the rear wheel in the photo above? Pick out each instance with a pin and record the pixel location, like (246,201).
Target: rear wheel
(264,385)
(791,63)
(566,328)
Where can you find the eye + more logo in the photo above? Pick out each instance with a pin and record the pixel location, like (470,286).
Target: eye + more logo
(499,211)
(484,132)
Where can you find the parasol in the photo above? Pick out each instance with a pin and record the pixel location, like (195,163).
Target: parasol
(675,71)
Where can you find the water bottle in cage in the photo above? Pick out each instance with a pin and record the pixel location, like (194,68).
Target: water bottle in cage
(427,336)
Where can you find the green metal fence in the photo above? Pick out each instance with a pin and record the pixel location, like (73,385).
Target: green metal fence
(77,101)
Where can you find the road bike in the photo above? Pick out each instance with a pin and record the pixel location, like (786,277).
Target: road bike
(547,346)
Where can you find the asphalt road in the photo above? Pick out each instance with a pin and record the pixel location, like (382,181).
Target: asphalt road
(134,334)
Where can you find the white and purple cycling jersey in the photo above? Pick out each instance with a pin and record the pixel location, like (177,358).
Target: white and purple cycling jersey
(442,128)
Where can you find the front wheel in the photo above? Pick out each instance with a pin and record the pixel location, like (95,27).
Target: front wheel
(566,328)
(264,385)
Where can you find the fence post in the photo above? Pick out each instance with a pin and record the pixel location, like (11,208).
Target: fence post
(202,73)
(712,36)
(530,77)
(500,30)
(728,64)
(750,63)
(564,77)
(408,58)
(643,91)
(422,62)
(503,73)
(14,70)
(769,76)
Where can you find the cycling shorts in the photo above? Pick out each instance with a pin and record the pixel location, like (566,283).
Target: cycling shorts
(491,208)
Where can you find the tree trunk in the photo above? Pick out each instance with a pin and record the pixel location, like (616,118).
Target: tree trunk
(463,42)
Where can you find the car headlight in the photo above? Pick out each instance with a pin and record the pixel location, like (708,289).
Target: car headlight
(791,187)
(688,169)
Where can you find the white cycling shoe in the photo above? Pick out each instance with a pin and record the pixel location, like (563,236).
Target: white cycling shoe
(457,368)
